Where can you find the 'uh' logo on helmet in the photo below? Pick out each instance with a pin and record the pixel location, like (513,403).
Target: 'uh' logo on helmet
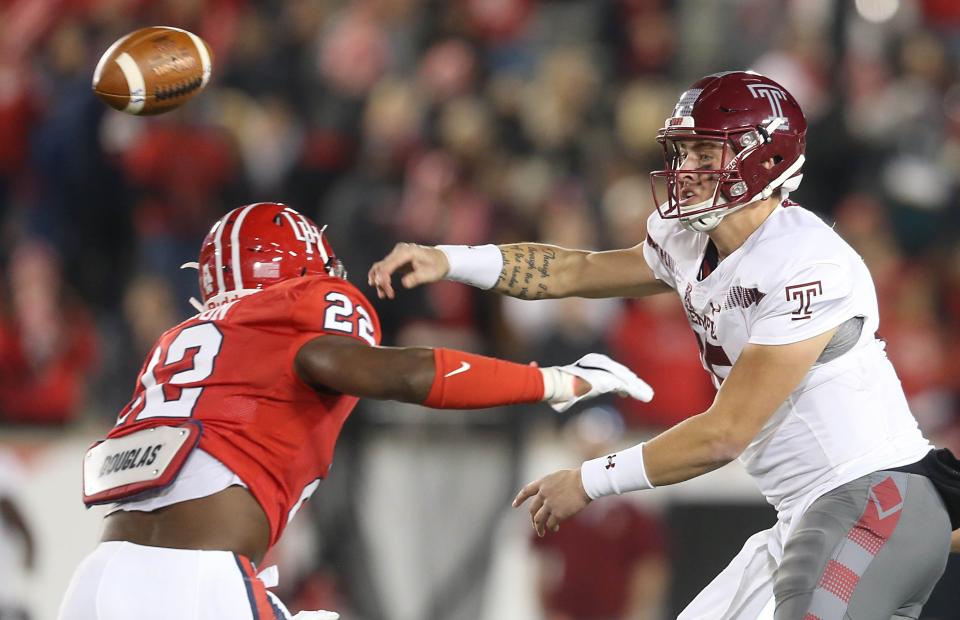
(307,232)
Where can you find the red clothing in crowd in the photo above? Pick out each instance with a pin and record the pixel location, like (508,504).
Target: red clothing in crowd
(654,340)
(51,390)
(594,557)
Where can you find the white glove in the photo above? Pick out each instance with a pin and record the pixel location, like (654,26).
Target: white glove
(602,373)
(316,615)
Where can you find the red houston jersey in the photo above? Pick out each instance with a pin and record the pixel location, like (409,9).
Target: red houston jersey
(231,368)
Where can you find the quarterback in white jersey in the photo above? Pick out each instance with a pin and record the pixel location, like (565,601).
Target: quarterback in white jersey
(785,315)
(792,280)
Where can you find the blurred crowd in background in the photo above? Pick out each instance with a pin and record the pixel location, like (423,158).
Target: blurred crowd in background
(462,122)
(453,122)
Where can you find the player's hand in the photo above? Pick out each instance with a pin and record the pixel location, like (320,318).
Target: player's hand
(419,264)
(556,497)
(603,376)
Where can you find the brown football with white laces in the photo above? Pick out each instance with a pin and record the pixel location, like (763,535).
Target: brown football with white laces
(153,70)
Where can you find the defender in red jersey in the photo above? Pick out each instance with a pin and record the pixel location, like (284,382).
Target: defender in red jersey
(236,412)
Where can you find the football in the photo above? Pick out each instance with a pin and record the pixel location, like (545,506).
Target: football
(152,70)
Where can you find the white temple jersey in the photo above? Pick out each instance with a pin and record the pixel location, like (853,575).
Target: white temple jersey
(795,278)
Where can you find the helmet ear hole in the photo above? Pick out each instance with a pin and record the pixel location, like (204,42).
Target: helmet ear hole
(303,271)
(277,221)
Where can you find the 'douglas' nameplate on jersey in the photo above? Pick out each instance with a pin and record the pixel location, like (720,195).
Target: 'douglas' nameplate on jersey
(121,467)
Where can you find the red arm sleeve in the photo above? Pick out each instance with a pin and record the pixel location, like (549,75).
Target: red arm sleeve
(468,381)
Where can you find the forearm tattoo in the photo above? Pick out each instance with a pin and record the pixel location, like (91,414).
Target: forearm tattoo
(526,271)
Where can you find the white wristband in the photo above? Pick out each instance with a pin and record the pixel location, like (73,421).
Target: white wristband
(615,473)
(476,265)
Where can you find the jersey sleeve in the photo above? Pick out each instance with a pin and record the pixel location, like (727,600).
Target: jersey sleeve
(657,258)
(325,307)
(814,299)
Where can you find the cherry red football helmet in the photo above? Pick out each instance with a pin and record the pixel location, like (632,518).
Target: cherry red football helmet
(257,245)
(758,119)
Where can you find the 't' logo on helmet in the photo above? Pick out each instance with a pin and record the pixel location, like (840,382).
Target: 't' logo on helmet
(774,96)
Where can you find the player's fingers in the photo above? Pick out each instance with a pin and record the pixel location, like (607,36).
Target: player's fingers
(412,279)
(381,285)
(640,390)
(377,279)
(401,254)
(535,505)
(553,523)
(396,261)
(406,259)
(384,286)
(372,272)
(540,520)
(526,492)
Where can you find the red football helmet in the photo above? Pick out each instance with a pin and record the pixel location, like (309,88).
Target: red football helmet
(758,119)
(257,245)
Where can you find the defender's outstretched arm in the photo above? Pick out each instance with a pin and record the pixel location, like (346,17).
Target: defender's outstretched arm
(449,379)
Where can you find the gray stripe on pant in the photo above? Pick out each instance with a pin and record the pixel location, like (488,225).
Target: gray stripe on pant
(885,576)
(850,561)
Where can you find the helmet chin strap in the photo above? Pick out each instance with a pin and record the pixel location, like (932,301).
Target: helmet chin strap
(787,182)
(709,221)
(704,223)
